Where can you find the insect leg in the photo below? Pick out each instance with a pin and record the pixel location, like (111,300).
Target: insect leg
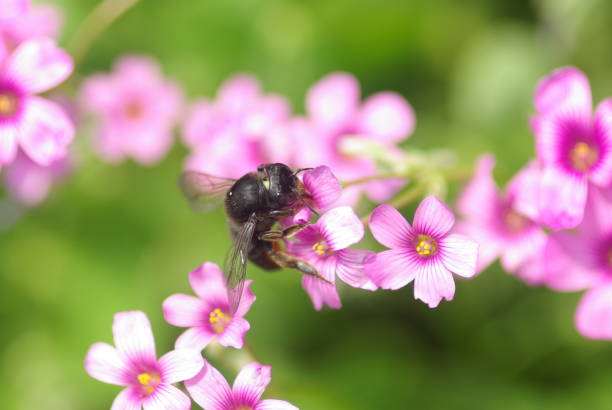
(284,260)
(278,234)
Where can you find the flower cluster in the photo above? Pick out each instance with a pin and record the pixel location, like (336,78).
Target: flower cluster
(567,188)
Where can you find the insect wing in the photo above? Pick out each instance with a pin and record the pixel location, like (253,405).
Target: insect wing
(236,263)
(203,191)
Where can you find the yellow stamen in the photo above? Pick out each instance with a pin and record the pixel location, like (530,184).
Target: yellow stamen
(319,248)
(219,320)
(425,245)
(144,378)
(8,104)
(148,382)
(583,156)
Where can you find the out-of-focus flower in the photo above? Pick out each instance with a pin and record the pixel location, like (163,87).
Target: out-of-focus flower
(40,127)
(29,182)
(502,223)
(40,20)
(574,148)
(208,315)
(12,9)
(335,114)
(426,251)
(136,108)
(210,390)
(324,245)
(324,189)
(238,131)
(133,363)
(582,258)
(594,314)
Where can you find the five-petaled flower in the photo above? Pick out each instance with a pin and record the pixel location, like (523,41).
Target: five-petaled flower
(208,315)
(426,251)
(210,390)
(133,363)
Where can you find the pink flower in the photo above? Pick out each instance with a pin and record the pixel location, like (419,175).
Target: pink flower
(583,258)
(133,363)
(426,251)
(40,20)
(40,127)
(29,182)
(335,113)
(137,108)
(594,314)
(574,148)
(208,315)
(12,9)
(210,390)
(324,245)
(502,223)
(324,189)
(241,123)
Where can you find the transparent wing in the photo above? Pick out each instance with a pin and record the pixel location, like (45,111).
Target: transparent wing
(203,191)
(236,263)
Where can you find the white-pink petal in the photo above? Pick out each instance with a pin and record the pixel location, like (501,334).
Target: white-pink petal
(340,227)
(251,382)
(195,338)
(38,65)
(323,185)
(480,198)
(562,199)
(184,310)
(332,102)
(104,363)
(210,390)
(389,227)
(133,337)
(601,174)
(8,143)
(180,364)
(459,254)
(233,334)
(167,397)
(128,399)
(565,90)
(432,283)
(433,217)
(271,404)
(393,269)
(594,314)
(350,266)
(208,282)
(386,117)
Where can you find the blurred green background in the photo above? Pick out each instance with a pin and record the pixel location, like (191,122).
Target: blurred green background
(120,237)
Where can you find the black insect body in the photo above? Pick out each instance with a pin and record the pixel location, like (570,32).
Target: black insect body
(254,204)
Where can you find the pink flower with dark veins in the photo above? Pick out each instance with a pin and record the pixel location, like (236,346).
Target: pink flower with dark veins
(503,224)
(425,252)
(40,127)
(210,390)
(324,245)
(573,146)
(208,315)
(133,363)
(136,109)
(324,189)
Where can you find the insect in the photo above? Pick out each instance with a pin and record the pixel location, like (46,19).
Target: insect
(254,203)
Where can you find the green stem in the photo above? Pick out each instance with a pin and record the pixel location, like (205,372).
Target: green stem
(95,24)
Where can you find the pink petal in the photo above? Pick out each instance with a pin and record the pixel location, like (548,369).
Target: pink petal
(480,198)
(433,217)
(104,363)
(332,102)
(38,65)
(239,92)
(389,227)
(386,117)
(134,71)
(340,227)
(210,390)
(570,262)
(554,132)
(133,337)
(601,174)
(184,310)
(128,399)
(8,143)
(432,283)
(566,89)
(392,269)
(384,189)
(233,334)
(45,131)
(180,364)
(199,123)
(167,397)
(42,20)
(147,145)
(350,266)
(320,292)
(195,338)
(523,190)
(523,249)
(13,8)
(208,282)
(251,383)
(594,314)
(271,404)
(597,222)
(489,244)
(247,299)
(323,185)
(459,254)
(562,199)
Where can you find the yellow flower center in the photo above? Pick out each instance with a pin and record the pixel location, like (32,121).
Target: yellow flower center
(583,156)
(244,408)
(320,248)
(133,110)
(8,104)
(515,222)
(425,245)
(219,320)
(148,382)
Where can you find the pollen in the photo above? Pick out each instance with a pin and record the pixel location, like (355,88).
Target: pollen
(219,320)
(425,245)
(148,382)
(320,248)
(8,104)
(583,156)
